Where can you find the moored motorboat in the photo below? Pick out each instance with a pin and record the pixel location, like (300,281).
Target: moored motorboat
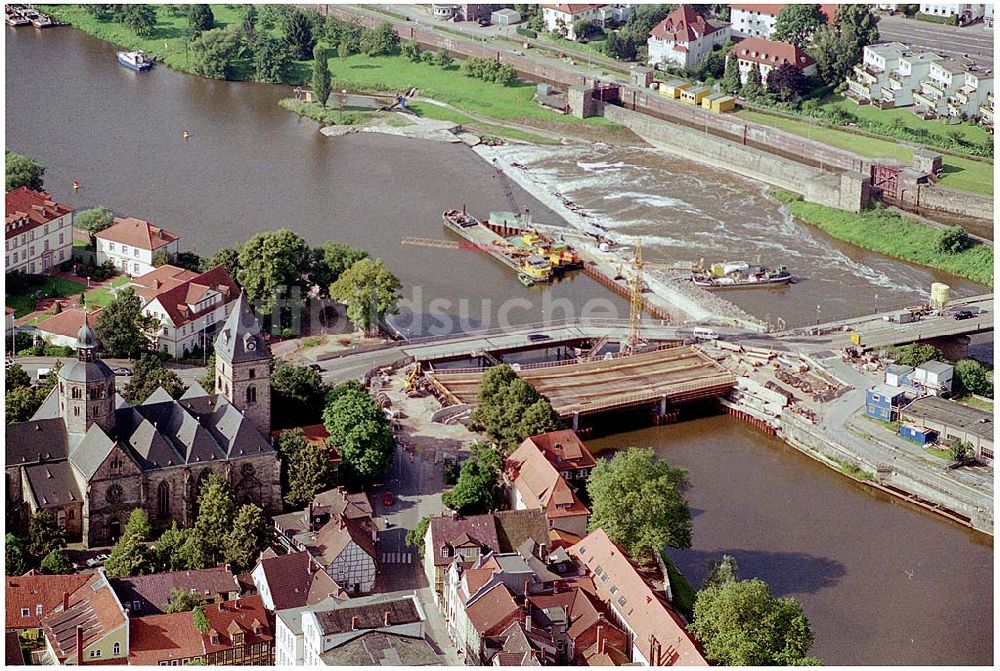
(135,60)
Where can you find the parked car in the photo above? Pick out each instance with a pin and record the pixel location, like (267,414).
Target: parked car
(387,499)
(538,337)
(964,314)
(121,370)
(316,367)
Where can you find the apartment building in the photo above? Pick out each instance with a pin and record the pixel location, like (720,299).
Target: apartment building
(954,87)
(965,11)
(38,233)
(757,20)
(684,38)
(768,55)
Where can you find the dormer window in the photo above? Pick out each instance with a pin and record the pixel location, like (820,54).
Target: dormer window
(238,638)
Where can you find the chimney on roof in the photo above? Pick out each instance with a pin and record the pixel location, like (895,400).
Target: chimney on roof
(79,644)
(527,623)
(600,641)
(526,583)
(65,601)
(354,623)
(309,517)
(385,619)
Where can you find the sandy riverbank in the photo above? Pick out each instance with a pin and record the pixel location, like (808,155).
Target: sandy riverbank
(678,297)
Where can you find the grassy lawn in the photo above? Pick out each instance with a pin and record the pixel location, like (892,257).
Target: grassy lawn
(102,296)
(328,116)
(972,132)
(894,235)
(397,73)
(592,47)
(852,471)
(959,173)
(432,111)
(939,453)
(976,403)
(52,288)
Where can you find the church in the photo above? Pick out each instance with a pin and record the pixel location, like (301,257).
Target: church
(89,458)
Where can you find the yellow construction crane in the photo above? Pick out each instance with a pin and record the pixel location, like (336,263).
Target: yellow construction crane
(635,304)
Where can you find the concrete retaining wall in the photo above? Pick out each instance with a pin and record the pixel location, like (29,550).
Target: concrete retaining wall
(814,185)
(940,199)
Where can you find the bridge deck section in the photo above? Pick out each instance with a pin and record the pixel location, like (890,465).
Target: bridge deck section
(678,374)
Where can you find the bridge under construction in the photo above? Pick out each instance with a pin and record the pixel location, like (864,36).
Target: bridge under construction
(667,375)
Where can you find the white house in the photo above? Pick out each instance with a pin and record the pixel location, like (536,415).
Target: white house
(132,244)
(757,20)
(965,11)
(935,377)
(38,232)
(346,551)
(559,18)
(289,642)
(187,304)
(684,38)
(768,55)
(954,88)
(325,631)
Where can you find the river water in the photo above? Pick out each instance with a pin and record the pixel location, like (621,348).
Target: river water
(845,552)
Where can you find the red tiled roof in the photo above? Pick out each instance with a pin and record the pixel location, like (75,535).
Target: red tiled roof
(540,484)
(34,590)
(157,638)
(829,10)
(137,233)
(571,9)
(642,608)
(316,434)
(682,25)
(476,578)
(179,299)
(161,279)
(564,449)
(445,530)
(492,612)
(68,322)
(240,615)
(27,209)
(94,606)
(336,535)
(296,580)
(769,52)
(562,539)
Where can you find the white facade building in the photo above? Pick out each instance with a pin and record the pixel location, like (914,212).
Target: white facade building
(935,377)
(326,630)
(768,55)
(758,20)
(38,232)
(684,38)
(132,245)
(965,11)
(562,17)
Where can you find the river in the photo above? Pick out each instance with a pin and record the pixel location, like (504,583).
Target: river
(847,553)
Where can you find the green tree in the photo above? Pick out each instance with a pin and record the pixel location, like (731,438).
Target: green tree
(189,261)
(370,291)
(538,418)
(168,549)
(200,620)
(753,88)
(739,623)
(480,486)
(973,378)
(310,472)
(359,431)
(271,58)
(271,261)
(122,328)
(343,49)
(509,409)
(56,563)
(415,536)
(17,377)
(619,46)
(216,512)
(731,77)
(141,19)
(915,355)
(838,47)
(288,445)
(381,40)
(299,34)
(787,82)
(94,220)
(960,452)
(182,601)
(228,258)
(249,24)
(23,402)
(298,395)
(321,76)
(131,555)
(796,24)
(23,171)
(443,60)
(17,559)
(330,260)
(858,25)
(207,381)
(411,50)
(149,374)
(953,240)
(200,18)
(213,53)
(248,537)
(44,535)
(720,572)
(638,501)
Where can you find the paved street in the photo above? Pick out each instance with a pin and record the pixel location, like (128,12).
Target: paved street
(945,40)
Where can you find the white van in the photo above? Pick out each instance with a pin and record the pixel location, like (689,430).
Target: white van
(705,334)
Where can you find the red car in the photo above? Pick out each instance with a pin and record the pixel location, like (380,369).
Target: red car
(387,499)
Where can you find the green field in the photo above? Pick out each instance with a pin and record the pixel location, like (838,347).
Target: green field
(329,116)
(971,131)
(592,47)
(895,235)
(959,173)
(53,287)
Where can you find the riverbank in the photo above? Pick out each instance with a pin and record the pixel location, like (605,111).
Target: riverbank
(894,235)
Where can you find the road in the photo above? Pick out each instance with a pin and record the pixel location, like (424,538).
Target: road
(945,40)
(31,364)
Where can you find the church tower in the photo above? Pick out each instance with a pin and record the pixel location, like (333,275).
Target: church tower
(243,366)
(86,387)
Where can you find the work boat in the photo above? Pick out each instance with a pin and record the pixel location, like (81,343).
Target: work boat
(134,60)
(741,276)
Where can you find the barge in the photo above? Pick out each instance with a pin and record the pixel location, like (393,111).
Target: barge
(741,276)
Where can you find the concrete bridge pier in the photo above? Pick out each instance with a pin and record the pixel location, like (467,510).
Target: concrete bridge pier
(953,347)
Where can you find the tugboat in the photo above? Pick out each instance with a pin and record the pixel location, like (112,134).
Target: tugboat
(135,60)
(741,275)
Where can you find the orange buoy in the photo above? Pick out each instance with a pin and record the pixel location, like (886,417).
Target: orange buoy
(76,185)
(186,134)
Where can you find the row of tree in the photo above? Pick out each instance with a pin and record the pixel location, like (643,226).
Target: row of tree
(41,549)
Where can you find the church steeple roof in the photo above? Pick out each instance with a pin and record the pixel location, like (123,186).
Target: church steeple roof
(240,338)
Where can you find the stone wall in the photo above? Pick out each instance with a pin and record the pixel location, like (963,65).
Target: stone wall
(939,199)
(813,184)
